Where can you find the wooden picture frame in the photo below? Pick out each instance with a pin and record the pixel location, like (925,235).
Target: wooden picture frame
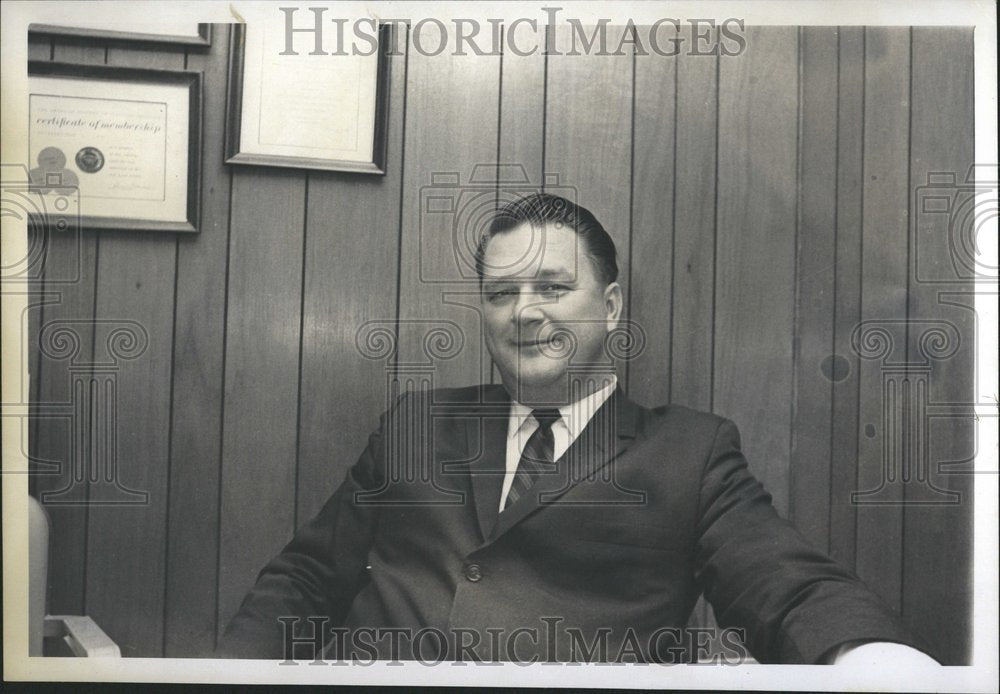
(202,39)
(116,113)
(237,153)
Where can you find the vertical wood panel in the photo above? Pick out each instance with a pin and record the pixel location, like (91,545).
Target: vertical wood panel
(451,127)
(886,161)
(349,218)
(845,430)
(261,377)
(809,474)
(521,141)
(31,322)
(37,238)
(193,514)
(585,94)
(937,544)
(654,140)
(68,256)
(71,258)
(522,106)
(693,296)
(126,544)
(756,249)
(587,91)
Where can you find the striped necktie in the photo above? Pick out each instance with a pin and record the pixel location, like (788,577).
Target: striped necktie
(536,456)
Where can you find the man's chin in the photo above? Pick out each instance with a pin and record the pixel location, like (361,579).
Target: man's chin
(537,385)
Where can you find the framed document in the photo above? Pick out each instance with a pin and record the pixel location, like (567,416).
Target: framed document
(185,33)
(294,109)
(120,146)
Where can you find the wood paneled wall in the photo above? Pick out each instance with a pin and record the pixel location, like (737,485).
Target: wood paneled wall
(763,207)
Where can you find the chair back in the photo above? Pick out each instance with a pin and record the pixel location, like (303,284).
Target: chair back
(38,574)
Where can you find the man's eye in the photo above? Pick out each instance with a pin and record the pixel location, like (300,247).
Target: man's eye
(499,294)
(554,288)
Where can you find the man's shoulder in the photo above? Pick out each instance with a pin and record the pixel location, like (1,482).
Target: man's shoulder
(669,418)
(485,393)
(679,421)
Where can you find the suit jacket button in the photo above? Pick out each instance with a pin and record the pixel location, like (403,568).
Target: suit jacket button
(473,572)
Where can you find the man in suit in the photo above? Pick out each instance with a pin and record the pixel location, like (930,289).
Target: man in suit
(552,518)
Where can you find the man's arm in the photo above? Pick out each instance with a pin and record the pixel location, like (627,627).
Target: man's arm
(318,574)
(795,603)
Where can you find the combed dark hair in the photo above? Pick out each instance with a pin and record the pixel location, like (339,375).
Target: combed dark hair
(540,208)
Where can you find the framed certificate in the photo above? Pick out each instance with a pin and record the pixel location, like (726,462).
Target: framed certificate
(176,32)
(117,147)
(306,111)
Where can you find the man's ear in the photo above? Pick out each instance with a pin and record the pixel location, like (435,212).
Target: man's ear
(614,304)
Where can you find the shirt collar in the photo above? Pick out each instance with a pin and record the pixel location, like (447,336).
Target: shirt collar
(575,416)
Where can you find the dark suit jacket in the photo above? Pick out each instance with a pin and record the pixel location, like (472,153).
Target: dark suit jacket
(647,509)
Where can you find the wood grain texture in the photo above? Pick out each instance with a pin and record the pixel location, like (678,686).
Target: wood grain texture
(588,136)
(883,300)
(352,226)
(37,238)
(261,376)
(124,568)
(31,322)
(809,472)
(653,231)
(937,545)
(136,283)
(71,258)
(192,540)
(847,306)
(451,149)
(522,107)
(756,249)
(71,279)
(269,400)
(693,295)
(521,140)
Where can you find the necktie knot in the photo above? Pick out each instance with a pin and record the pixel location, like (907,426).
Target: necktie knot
(546,416)
(536,456)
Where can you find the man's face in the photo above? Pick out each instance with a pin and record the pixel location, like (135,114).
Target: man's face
(541,293)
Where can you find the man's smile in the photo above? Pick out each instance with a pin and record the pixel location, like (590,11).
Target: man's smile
(538,342)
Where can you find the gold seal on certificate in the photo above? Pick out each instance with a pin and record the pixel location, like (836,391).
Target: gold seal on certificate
(89,160)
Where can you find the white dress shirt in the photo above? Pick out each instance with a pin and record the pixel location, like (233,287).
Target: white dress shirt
(565,430)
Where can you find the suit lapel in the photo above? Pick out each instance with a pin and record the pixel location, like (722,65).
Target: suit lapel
(605,437)
(487,440)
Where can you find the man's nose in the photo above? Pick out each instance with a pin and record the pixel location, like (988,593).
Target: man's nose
(528,308)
